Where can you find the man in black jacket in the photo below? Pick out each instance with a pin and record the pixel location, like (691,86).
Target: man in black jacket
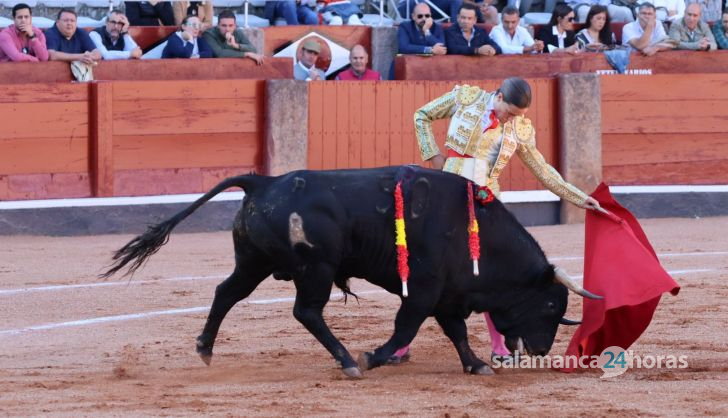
(466,39)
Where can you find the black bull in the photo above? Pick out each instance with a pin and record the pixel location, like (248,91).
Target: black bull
(321,228)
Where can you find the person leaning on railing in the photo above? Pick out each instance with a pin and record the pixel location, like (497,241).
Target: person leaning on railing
(187,43)
(720,31)
(597,35)
(21,41)
(227,41)
(113,40)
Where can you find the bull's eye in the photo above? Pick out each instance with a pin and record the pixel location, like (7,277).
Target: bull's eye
(551,306)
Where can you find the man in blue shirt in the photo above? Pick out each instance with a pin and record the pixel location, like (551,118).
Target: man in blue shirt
(68,43)
(421,35)
(466,39)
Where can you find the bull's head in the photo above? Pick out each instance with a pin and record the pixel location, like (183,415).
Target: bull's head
(530,322)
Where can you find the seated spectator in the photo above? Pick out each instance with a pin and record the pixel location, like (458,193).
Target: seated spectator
(488,13)
(512,38)
(616,13)
(710,10)
(449,7)
(227,41)
(305,68)
(338,12)
(464,38)
(692,33)
(66,42)
(21,41)
(113,40)
(524,6)
(646,34)
(421,35)
(597,35)
(558,35)
(201,9)
(720,31)
(674,9)
(296,12)
(358,58)
(149,13)
(186,43)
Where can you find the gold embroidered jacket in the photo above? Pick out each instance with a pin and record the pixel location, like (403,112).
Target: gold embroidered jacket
(466,106)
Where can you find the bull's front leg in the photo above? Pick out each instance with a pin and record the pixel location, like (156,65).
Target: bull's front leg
(312,293)
(455,329)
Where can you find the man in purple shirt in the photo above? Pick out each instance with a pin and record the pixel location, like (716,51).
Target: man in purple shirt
(21,41)
(66,42)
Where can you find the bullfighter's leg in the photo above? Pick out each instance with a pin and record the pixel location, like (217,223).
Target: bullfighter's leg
(457,331)
(313,290)
(240,284)
(497,340)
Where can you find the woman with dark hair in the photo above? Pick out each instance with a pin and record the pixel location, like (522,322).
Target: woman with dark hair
(558,35)
(187,42)
(597,35)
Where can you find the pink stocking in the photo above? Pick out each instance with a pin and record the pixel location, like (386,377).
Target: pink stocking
(402,351)
(496,339)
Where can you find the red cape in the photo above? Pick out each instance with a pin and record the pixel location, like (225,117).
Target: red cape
(619,264)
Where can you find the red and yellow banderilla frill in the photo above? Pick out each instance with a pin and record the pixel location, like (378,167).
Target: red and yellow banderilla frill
(401,238)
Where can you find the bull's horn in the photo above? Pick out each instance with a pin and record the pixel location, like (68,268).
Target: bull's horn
(566,321)
(560,276)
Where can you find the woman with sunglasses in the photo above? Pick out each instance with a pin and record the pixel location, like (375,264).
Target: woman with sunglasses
(187,42)
(597,35)
(558,35)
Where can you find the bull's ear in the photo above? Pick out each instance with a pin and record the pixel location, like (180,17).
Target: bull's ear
(420,197)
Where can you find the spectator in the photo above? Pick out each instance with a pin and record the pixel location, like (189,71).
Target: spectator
(201,9)
(450,7)
(558,35)
(616,13)
(149,13)
(524,6)
(296,12)
(488,13)
(186,43)
(675,9)
(646,34)
(338,12)
(227,41)
(113,40)
(720,30)
(421,35)
(66,42)
(597,35)
(711,10)
(692,33)
(305,68)
(512,38)
(358,58)
(21,41)
(466,39)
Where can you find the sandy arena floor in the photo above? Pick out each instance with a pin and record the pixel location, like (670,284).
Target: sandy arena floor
(73,345)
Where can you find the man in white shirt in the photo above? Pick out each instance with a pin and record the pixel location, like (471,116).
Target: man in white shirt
(646,34)
(113,40)
(511,37)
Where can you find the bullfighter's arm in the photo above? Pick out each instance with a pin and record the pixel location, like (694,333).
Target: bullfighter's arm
(440,108)
(535,162)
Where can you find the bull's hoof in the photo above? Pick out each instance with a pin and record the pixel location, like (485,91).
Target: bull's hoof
(204,352)
(352,372)
(364,361)
(206,358)
(483,370)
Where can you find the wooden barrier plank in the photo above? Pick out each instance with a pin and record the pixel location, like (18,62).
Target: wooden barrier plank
(43,155)
(639,149)
(44,92)
(138,117)
(44,120)
(315,125)
(355,122)
(393,124)
(100,141)
(706,172)
(406,127)
(44,186)
(369,128)
(652,88)
(140,152)
(382,112)
(686,116)
(170,90)
(183,69)
(343,95)
(329,127)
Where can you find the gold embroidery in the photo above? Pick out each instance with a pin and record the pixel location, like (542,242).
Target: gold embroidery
(467,95)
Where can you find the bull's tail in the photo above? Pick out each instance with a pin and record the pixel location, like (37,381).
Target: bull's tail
(138,250)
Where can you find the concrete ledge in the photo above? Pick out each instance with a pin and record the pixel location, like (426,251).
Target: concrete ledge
(286,126)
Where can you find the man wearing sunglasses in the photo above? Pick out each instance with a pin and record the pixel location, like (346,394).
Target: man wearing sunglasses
(113,40)
(421,35)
